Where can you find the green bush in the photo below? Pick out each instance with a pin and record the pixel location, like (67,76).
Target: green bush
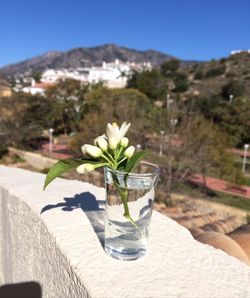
(235,88)
(199,75)
(169,68)
(223,60)
(214,72)
(180,76)
(3,150)
(181,86)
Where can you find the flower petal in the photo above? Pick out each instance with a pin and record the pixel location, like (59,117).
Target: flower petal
(124,129)
(110,131)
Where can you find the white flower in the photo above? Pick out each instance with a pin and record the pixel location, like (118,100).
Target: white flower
(116,132)
(84,168)
(129,152)
(92,150)
(124,142)
(102,143)
(113,143)
(83,148)
(96,139)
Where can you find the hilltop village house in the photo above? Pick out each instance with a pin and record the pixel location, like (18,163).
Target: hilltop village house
(112,75)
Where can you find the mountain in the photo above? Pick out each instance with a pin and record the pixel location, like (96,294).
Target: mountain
(82,57)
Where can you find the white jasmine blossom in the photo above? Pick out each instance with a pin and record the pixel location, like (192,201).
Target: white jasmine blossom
(93,151)
(124,142)
(84,168)
(113,143)
(96,139)
(129,152)
(102,143)
(114,131)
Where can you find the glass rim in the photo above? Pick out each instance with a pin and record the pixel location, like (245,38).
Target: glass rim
(156,170)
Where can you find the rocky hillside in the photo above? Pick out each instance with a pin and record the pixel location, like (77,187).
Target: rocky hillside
(81,57)
(209,78)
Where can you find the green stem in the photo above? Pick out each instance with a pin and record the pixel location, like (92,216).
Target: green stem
(121,161)
(106,158)
(124,196)
(120,151)
(110,156)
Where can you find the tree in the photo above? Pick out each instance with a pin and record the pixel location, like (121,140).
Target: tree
(181,82)
(29,122)
(170,67)
(61,108)
(149,82)
(132,79)
(37,76)
(68,100)
(234,119)
(193,145)
(115,105)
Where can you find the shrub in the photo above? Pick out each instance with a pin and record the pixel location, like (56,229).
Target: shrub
(181,85)
(234,87)
(230,75)
(3,150)
(214,72)
(168,68)
(199,75)
(223,60)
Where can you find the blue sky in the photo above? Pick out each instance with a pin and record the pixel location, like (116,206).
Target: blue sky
(188,29)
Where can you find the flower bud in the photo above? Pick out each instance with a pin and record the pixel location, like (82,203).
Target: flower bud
(83,148)
(84,168)
(129,152)
(96,139)
(113,143)
(93,151)
(124,142)
(102,143)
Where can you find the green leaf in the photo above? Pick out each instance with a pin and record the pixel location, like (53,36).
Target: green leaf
(61,167)
(134,160)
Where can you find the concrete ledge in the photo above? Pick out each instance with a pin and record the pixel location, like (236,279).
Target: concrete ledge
(61,248)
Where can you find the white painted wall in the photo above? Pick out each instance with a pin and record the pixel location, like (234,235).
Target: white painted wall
(60,250)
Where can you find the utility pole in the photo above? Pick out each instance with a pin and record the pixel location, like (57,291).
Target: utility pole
(246,146)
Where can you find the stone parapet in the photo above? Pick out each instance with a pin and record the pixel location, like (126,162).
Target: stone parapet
(55,239)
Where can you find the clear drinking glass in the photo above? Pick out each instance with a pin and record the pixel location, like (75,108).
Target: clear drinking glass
(129,205)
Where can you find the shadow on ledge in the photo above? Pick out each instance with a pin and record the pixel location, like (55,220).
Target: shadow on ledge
(21,290)
(93,208)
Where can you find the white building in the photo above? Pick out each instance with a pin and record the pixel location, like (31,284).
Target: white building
(113,75)
(54,75)
(239,51)
(37,88)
